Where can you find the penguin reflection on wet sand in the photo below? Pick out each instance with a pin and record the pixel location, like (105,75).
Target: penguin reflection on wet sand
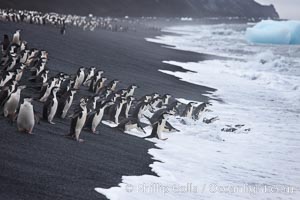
(78,120)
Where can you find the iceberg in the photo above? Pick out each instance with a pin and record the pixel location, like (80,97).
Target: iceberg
(274,32)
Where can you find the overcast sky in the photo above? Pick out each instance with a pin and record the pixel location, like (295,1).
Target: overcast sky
(288,9)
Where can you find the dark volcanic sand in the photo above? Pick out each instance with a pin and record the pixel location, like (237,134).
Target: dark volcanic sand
(49,166)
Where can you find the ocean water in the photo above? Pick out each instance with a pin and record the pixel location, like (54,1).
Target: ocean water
(260,88)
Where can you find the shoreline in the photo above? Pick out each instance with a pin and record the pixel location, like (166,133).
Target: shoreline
(254,129)
(47,165)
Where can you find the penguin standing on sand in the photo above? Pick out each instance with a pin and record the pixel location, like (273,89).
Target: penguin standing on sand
(65,103)
(24,55)
(92,103)
(79,78)
(12,103)
(23,46)
(95,79)
(16,38)
(113,84)
(127,106)
(154,103)
(50,106)
(95,118)
(115,110)
(131,89)
(26,119)
(65,87)
(47,88)
(38,68)
(78,120)
(89,76)
(99,85)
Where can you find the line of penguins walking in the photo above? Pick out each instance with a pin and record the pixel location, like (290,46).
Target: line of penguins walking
(61,20)
(57,93)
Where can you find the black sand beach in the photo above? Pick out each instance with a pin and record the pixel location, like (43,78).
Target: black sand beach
(49,166)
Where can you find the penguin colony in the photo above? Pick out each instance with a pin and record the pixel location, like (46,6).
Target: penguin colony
(57,94)
(60,20)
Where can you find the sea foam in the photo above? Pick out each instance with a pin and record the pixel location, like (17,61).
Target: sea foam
(258,90)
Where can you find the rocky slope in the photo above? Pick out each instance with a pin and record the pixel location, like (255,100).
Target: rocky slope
(158,8)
